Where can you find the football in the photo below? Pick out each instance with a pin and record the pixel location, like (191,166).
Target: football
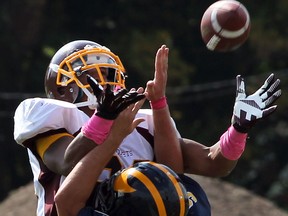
(225,25)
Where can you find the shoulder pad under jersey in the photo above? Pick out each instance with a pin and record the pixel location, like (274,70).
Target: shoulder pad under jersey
(38,115)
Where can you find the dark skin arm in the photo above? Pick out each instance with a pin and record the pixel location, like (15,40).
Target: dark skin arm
(195,155)
(55,158)
(166,144)
(181,153)
(72,196)
(207,161)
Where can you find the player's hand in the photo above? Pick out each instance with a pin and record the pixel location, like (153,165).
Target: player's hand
(249,109)
(109,103)
(126,122)
(156,88)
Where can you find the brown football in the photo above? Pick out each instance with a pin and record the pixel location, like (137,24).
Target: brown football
(225,25)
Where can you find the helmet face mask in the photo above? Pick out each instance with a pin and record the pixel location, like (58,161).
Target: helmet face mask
(93,59)
(66,75)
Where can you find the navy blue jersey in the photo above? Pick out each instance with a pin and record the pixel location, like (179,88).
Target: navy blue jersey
(89,211)
(198,201)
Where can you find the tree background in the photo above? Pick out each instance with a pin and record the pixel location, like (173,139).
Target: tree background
(201,85)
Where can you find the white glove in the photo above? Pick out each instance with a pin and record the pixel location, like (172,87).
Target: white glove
(249,109)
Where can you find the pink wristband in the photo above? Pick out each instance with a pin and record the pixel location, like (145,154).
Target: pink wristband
(232,143)
(159,104)
(97,129)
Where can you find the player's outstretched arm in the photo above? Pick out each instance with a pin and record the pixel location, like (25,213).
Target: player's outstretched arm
(166,144)
(222,157)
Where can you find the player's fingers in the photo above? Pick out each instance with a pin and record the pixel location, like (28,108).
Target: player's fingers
(97,89)
(273,98)
(269,111)
(129,101)
(140,90)
(138,105)
(266,84)
(273,88)
(240,87)
(136,122)
(120,94)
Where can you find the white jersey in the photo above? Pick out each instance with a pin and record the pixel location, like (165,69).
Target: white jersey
(36,116)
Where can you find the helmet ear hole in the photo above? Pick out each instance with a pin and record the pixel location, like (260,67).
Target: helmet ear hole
(68,93)
(61,90)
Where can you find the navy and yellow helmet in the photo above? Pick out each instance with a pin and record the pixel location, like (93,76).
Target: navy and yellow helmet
(145,189)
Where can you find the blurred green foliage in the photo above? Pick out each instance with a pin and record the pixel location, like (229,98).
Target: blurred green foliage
(201,88)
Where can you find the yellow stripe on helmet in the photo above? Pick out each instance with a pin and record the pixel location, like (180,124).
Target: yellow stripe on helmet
(177,187)
(153,191)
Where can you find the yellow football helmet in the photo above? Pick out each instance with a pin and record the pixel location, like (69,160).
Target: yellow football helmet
(66,74)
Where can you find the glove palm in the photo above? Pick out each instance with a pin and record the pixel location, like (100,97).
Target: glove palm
(109,103)
(249,109)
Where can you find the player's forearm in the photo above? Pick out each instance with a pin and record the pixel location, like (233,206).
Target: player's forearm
(221,165)
(65,152)
(167,146)
(207,161)
(77,187)
(76,150)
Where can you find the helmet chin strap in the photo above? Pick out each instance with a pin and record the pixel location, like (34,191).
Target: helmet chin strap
(91,102)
